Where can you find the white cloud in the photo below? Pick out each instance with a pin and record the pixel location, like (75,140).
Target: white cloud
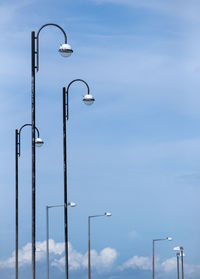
(133,234)
(170,265)
(102,261)
(167,266)
(25,253)
(137,262)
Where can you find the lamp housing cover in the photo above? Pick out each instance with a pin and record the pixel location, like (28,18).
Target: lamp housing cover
(39,142)
(88,99)
(65,50)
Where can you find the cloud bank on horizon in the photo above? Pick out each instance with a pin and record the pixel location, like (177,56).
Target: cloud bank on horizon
(102,262)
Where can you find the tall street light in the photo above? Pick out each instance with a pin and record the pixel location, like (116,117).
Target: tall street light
(180,248)
(88,100)
(38,143)
(153,252)
(71,204)
(65,50)
(89,259)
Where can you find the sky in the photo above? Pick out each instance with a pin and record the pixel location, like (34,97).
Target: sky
(134,152)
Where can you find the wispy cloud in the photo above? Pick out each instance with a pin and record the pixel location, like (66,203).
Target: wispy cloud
(185,9)
(10,9)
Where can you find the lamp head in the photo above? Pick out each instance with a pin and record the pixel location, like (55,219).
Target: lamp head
(39,142)
(169,238)
(178,248)
(88,99)
(65,50)
(72,204)
(108,214)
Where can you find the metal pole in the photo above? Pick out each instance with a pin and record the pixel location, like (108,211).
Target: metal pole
(65,183)
(47,239)
(16,203)
(89,264)
(153,259)
(177,265)
(182,263)
(33,149)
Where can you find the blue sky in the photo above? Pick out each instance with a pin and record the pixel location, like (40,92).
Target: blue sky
(135,152)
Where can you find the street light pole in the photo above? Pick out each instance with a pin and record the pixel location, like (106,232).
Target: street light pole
(153,253)
(71,204)
(38,142)
(88,99)
(177,256)
(180,248)
(89,258)
(65,50)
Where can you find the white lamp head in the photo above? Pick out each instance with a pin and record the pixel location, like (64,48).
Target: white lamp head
(72,204)
(169,238)
(108,214)
(178,248)
(65,50)
(88,99)
(39,142)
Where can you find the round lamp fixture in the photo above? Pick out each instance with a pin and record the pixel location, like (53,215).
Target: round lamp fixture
(39,142)
(108,214)
(65,50)
(88,99)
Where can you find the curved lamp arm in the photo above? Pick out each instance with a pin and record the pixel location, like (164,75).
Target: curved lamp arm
(67,92)
(19,136)
(37,39)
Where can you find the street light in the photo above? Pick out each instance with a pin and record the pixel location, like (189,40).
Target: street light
(71,204)
(153,249)
(108,214)
(65,50)
(177,258)
(38,142)
(88,99)
(180,248)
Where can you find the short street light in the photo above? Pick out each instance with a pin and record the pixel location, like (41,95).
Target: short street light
(71,204)
(153,248)
(108,214)
(65,50)
(88,100)
(181,254)
(38,142)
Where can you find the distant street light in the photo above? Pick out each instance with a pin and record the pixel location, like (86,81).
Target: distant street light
(177,258)
(153,260)
(71,204)
(180,248)
(89,260)
(88,100)
(65,50)
(38,142)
